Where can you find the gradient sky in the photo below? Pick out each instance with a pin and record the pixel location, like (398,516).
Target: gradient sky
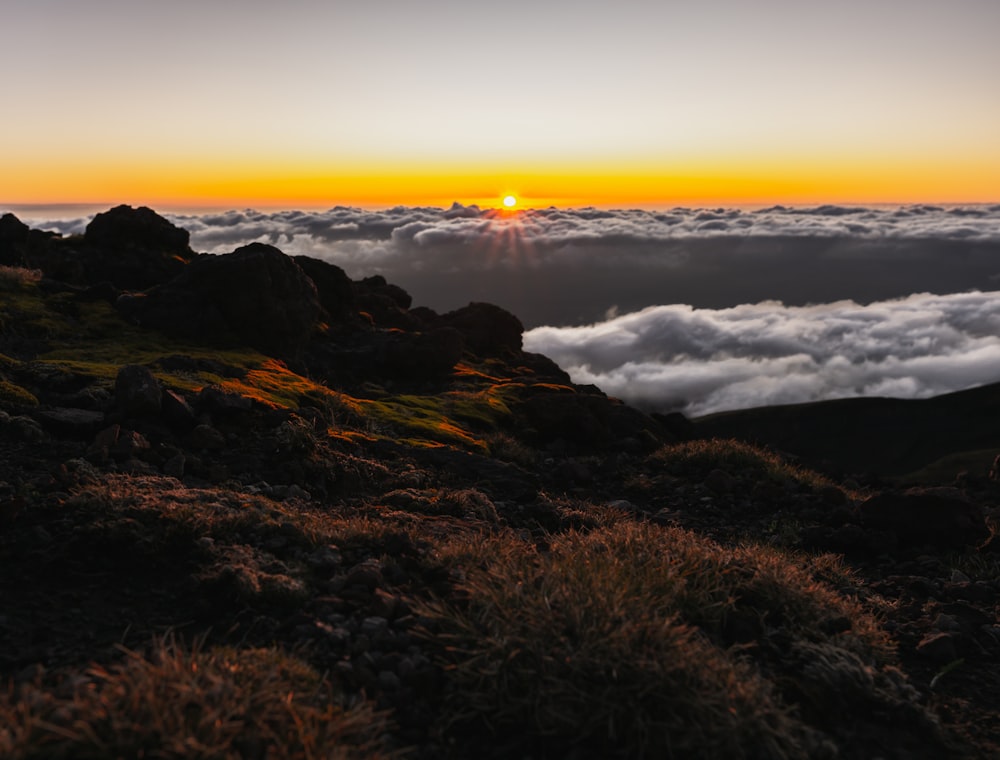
(633,103)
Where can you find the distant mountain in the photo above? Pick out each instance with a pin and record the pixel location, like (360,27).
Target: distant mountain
(883,436)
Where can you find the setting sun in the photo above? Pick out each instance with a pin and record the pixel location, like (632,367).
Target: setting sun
(509,201)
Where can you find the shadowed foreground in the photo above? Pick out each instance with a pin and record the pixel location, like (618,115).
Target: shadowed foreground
(250,508)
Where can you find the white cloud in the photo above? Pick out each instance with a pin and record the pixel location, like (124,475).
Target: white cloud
(752,332)
(701,361)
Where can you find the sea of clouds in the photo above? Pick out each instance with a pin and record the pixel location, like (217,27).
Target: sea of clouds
(699,310)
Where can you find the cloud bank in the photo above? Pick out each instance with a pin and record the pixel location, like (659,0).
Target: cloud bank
(571,266)
(780,305)
(700,361)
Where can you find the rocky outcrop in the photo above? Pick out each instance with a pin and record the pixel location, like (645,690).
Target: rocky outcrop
(137,392)
(256,296)
(333,287)
(488,330)
(13,230)
(385,304)
(420,355)
(19,244)
(124,228)
(133,249)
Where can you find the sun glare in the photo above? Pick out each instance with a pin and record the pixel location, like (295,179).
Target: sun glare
(509,201)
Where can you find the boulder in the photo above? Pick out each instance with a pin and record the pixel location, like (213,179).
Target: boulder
(584,418)
(384,303)
(13,240)
(419,355)
(926,517)
(333,287)
(13,230)
(125,228)
(256,296)
(138,392)
(126,248)
(488,330)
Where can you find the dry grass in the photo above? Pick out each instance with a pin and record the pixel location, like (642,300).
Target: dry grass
(696,459)
(181,703)
(17,277)
(620,642)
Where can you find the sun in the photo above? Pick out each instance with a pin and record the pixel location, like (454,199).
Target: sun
(509,201)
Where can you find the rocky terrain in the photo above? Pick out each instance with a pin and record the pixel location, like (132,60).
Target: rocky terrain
(252,508)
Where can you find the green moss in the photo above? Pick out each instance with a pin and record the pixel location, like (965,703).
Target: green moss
(15,395)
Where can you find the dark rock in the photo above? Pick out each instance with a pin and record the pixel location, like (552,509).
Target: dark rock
(74,423)
(174,467)
(932,517)
(939,647)
(420,355)
(126,248)
(218,402)
(102,291)
(333,287)
(377,284)
(13,240)
(207,437)
(138,392)
(488,329)
(13,230)
(177,412)
(385,305)
(256,296)
(126,228)
(584,419)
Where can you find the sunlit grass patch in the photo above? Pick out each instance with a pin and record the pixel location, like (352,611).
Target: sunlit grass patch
(696,459)
(16,278)
(621,642)
(271,383)
(435,418)
(14,395)
(182,703)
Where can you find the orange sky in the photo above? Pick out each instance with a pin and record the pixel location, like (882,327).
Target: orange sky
(308,103)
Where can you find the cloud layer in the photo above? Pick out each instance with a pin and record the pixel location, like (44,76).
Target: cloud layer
(719,306)
(700,361)
(572,266)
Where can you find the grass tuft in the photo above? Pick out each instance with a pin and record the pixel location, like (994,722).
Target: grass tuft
(630,641)
(183,703)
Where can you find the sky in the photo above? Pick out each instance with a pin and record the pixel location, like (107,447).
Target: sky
(194,104)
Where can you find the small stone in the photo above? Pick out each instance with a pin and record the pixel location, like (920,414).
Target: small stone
(623,504)
(361,644)
(957,576)
(947,623)
(138,392)
(177,412)
(325,558)
(296,492)
(174,467)
(368,576)
(374,627)
(939,647)
(207,437)
(388,681)
(26,429)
